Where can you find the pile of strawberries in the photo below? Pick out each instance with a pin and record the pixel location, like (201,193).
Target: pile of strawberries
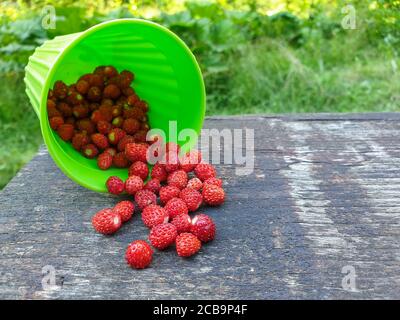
(99,114)
(177,186)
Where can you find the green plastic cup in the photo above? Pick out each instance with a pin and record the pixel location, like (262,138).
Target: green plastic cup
(166,75)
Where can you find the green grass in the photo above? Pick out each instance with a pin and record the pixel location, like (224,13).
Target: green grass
(19,127)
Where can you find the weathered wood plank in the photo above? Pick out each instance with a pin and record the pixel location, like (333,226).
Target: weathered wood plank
(324,194)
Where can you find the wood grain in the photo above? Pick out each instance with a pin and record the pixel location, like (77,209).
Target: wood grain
(324,194)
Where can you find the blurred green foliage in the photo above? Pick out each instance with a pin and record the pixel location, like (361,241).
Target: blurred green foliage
(257,56)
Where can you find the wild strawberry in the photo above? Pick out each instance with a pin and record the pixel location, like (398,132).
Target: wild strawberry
(140,136)
(128,75)
(203,171)
(66,131)
(98,116)
(192,198)
(94,94)
(189,160)
(110,71)
(104,160)
(203,227)
(171,162)
(172,148)
(118,122)
(136,152)
(71,121)
(133,184)
(187,244)
(128,91)
(60,89)
(115,185)
(125,209)
(53,112)
(51,103)
(96,80)
(154,215)
(144,198)
(183,223)
(142,105)
(131,126)
(80,111)
(120,160)
(132,99)
(158,172)
(178,179)
(65,109)
(82,86)
(134,112)
(86,125)
(176,207)
(93,106)
(195,183)
(100,140)
(139,254)
(106,221)
(90,151)
(104,127)
(116,110)
(163,235)
(167,193)
(79,140)
(111,91)
(124,141)
(56,122)
(111,151)
(116,135)
(214,181)
(213,195)
(153,185)
(139,169)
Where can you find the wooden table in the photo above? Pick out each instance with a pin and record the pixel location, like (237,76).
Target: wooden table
(322,205)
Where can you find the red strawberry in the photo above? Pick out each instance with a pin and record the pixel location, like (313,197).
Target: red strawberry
(154,215)
(192,198)
(86,125)
(117,122)
(55,122)
(176,207)
(125,209)
(171,161)
(139,254)
(189,160)
(66,131)
(100,140)
(214,181)
(133,184)
(163,235)
(131,126)
(79,140)
(183,223)
(115,185)
(203,227)
(168,192)
(104,127)
(172,148)
(111,91)
(116,135)
(203,171)
(187,244)
(178,179)
(139,169)
(195,183)
(158,172)
(213,195)
(136,152)
(124,141)
(111,151)
(153,185)
(120,160)
(106,221)
(90,151)
(104,160)
(144,198)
